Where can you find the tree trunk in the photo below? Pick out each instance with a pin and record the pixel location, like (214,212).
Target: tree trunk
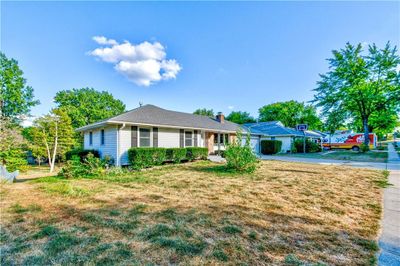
(366,131)
(54,150)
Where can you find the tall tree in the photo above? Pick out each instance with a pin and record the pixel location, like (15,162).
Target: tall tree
(16,99)
(360,85)
(35,147)
(204,111)
(12,146)
(86,105)
(290,113)
(54,132)
(240,117)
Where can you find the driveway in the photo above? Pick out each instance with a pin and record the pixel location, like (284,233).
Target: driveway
(389,241)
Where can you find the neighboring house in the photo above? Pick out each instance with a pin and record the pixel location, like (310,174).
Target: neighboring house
(275,130)
(152,126)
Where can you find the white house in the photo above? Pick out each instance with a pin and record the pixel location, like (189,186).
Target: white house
(275,130)
(152,126)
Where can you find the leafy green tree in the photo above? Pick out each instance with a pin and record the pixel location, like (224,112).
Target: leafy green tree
(239,117)
(204,111)
(16,99)
(36,148)
(290,113)
(360,85)
(54,132)
(12,146)
(86,105)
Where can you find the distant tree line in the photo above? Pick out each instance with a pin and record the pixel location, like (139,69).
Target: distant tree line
(361,91)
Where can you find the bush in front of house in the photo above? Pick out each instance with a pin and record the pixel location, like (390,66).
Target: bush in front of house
(196,153)
(310,146)
(240,157)
(176,155)
(271,146)
(146,157)
(90,166)
(81,153)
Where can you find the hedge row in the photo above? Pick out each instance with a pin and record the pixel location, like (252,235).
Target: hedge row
(271,146)
(81,153)
(310,146)
(147,157)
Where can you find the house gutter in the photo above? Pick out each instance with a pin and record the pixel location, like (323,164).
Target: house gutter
(118,144)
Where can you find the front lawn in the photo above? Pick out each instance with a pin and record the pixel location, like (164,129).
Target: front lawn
(371,156)
(196,213)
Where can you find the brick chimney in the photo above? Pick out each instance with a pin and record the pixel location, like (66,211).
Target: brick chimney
(220,117)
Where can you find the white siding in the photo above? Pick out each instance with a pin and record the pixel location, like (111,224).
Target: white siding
(286,143)
(124,144)
(168,138)
(110,141)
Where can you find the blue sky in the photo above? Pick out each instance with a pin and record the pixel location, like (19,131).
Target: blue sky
(232,55)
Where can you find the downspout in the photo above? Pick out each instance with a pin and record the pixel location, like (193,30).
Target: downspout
(118,144)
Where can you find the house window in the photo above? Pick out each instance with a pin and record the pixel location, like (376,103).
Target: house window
(144,140)
(223,139)
(102,137)
(188,138)
(90,138)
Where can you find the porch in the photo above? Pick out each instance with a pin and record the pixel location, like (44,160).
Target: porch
(217,141)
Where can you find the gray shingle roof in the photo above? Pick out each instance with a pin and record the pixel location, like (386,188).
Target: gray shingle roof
(272,128)
(154,115)
(276,128)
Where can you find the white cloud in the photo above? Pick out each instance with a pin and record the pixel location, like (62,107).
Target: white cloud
(230,107)
(144,64)
(104,41)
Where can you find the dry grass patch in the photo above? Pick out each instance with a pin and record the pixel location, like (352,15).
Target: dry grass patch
(196,213)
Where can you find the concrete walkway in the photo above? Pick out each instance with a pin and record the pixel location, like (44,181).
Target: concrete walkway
(389,242)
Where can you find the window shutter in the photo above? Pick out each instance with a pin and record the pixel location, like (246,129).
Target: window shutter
(155,137)
(195,138)
(134,131)
(181,137)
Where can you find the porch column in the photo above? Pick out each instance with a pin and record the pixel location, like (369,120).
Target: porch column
(219,143)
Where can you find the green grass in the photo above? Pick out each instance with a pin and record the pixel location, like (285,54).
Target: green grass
(284,214)
(66,189)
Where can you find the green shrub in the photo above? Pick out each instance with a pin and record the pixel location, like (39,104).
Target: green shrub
(81,153)
(364,148)
(196,153)
(239,157)
(146,157)
(91,166)
(14,159)
(176,155)
(271,146)
(311,146)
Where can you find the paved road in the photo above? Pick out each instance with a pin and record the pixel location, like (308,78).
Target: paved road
(389,241)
